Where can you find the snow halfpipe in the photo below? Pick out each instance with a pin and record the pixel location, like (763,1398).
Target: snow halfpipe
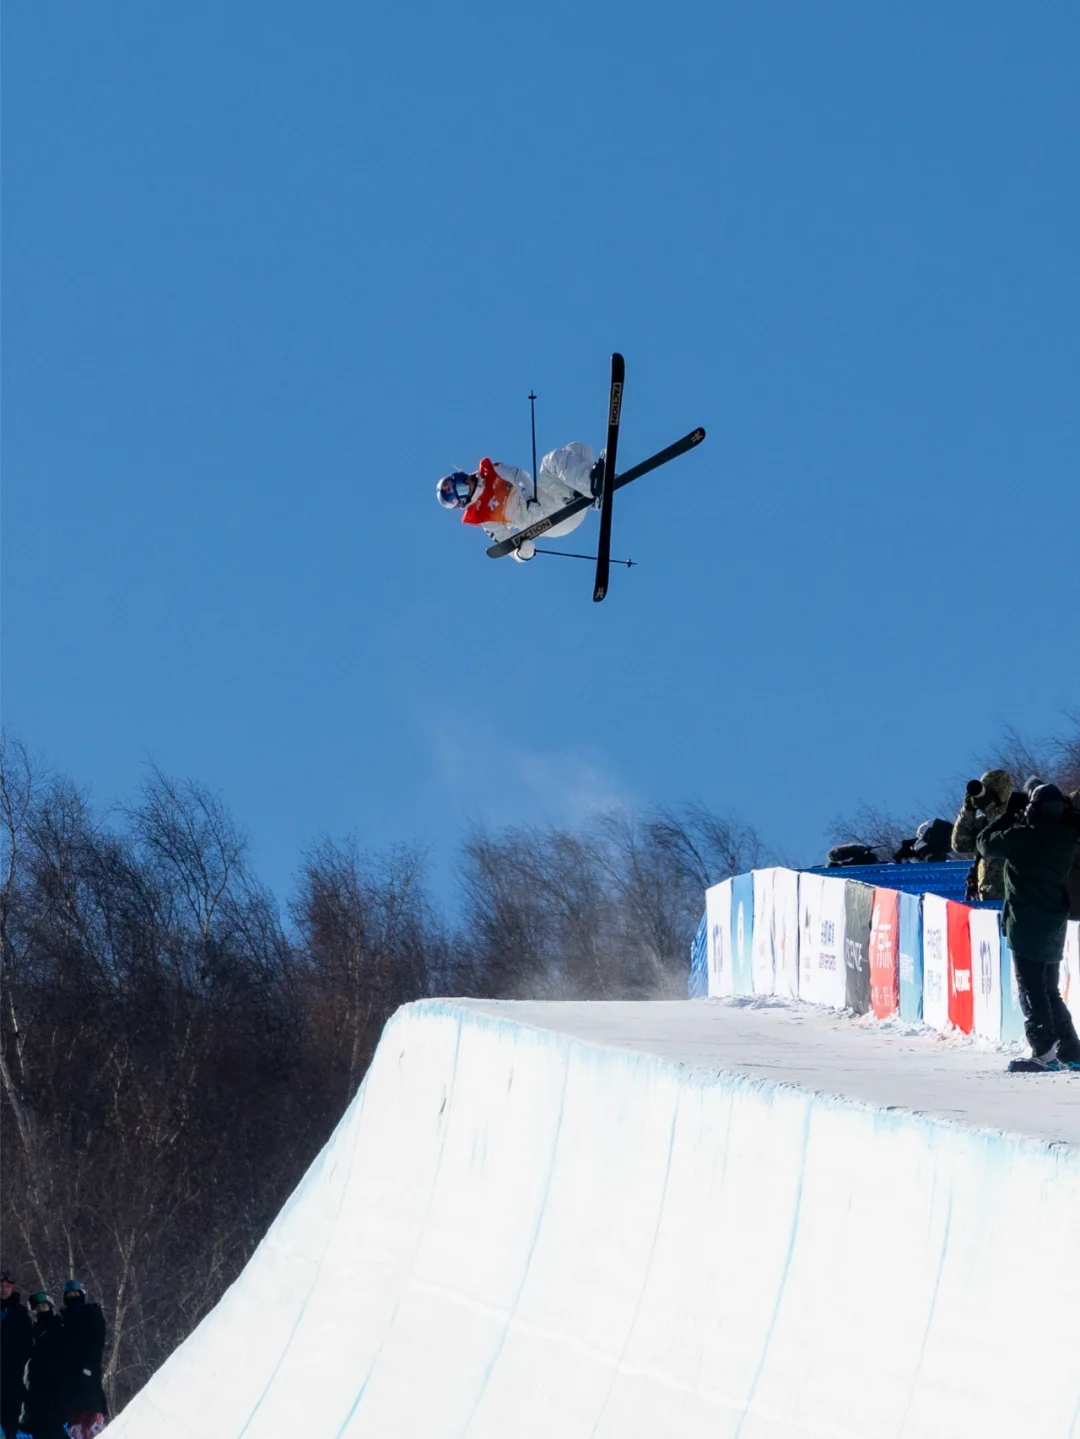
(622,1220)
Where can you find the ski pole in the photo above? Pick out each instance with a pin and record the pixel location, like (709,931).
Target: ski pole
(532,407)
(569,555)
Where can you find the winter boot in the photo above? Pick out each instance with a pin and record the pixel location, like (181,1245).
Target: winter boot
(1037,1064)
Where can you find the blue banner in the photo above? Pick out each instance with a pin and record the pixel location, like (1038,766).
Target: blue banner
(1012,1016)
(910,957)
(699,961)
(742,932)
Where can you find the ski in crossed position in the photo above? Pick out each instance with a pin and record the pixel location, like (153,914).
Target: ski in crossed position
(610,482)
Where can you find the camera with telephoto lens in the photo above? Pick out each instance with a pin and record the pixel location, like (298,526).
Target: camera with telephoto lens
(975,789)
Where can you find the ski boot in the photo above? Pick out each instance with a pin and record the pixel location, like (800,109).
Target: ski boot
(596,478)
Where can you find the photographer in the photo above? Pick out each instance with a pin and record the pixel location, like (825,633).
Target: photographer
(985,801)
(1037,845)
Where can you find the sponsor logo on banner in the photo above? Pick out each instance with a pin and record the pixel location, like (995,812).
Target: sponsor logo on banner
(858,909)
(961,998)
(718,911)
(742,933)
(827,945)
(935,961)
(986,962)
(884,944)
(985,972)
(856,960)
(785,921)
(1012,1016)
(909,910)
(763,947)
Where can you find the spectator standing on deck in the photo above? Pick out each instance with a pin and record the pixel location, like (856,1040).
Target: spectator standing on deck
(985,800)
(1037,844)
(43,1408)
(83,1349)
(15,1340)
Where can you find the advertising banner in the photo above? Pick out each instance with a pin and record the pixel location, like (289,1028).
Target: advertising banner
(858,908)
(831,951)
(984,926)
(821,940)
(1070,971)
(786,931)
(961,999)
(935,959)
(763,957)
(742,932)
(1012,1016)
(885,953)
(911,976)
(809,931)
(698,984)
(718,919)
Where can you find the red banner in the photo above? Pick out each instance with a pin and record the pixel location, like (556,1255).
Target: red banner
(885,953)
(961,997)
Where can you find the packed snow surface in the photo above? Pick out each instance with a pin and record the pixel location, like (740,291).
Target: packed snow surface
(695,1218)
(889,1064)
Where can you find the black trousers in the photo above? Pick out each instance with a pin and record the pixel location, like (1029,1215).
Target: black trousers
(1045,1017)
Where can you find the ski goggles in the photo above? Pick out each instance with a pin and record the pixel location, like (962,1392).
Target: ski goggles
(456,490)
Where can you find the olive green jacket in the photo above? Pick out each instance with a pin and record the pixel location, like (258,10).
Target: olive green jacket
(1037,859)
(970,823)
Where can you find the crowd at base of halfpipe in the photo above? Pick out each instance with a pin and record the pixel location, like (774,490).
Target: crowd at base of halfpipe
(546,1220)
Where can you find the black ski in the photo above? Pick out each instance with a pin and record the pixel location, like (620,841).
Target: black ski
(541,527)
(603,550)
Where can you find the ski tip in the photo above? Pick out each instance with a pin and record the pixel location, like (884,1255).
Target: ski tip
(698,435)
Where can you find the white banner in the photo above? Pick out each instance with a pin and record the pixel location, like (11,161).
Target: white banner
(985,926)
(786,931)
(718,912)
(1070,971)
(833,938)
(763,953)
(821,940)
(935,931)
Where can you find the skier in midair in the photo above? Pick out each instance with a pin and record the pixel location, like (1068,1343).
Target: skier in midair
(499,497)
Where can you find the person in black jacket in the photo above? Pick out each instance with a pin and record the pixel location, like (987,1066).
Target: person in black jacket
(83,1349)
(15,1340)
(1037,845)
(43,1408)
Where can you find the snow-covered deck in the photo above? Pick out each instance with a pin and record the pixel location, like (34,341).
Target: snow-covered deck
(889,1065)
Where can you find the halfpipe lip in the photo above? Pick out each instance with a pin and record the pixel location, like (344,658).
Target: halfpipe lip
(976,1094)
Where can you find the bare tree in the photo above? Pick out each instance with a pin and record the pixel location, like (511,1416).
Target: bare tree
(363,926)
(171,1059)
(875,828)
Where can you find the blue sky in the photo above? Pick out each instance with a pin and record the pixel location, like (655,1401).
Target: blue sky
(271,268)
